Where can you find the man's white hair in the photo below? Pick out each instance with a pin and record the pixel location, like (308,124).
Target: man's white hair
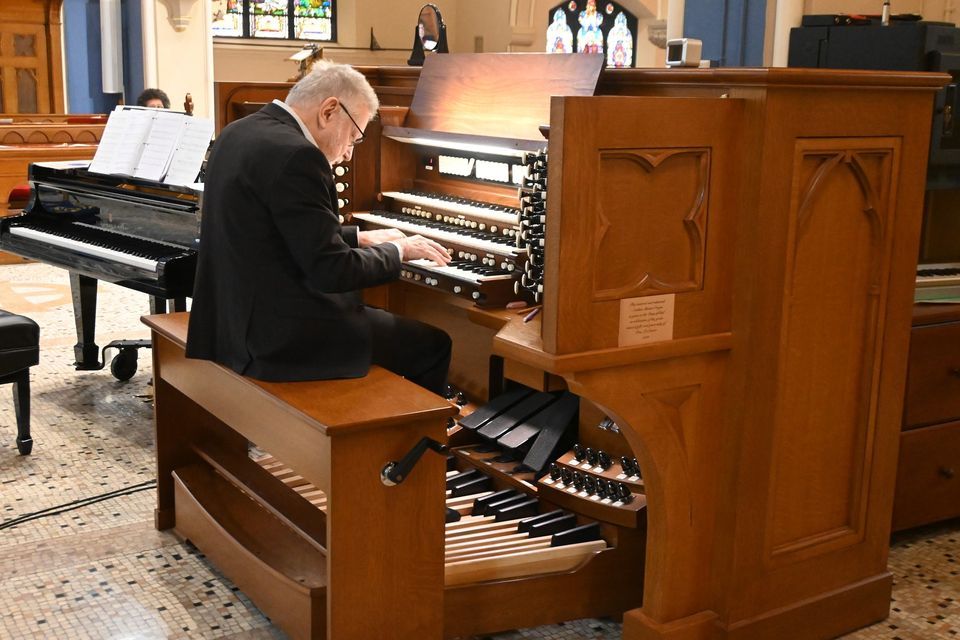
(330,79)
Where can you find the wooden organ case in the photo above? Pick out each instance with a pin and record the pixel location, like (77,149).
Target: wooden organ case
(726,285)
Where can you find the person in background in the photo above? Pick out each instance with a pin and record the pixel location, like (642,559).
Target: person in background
(153,98)
(278,289)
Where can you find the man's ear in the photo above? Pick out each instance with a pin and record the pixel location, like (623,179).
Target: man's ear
(328,108)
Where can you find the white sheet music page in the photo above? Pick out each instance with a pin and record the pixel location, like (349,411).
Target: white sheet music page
(160,144)
(136,128)
(190,151)
(111,142)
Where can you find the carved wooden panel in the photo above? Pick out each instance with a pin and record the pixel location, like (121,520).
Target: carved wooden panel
(31,76)
(639,207)
(651,222)
(839,248)
(58,133)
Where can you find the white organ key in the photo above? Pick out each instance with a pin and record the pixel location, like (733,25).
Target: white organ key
(503,217)
(437,234)
(457,273)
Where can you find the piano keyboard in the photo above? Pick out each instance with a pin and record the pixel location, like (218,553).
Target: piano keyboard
(938,275)
(99,243)
(505,216)
(446,233)
(937,282)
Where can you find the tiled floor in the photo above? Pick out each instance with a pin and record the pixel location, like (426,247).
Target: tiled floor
(103,571)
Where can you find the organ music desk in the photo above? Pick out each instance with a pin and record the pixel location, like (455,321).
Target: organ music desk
(770,219)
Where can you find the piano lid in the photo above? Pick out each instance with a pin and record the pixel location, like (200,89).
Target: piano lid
(499,95)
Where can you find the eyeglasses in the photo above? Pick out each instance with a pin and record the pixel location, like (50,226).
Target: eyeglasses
(360,139)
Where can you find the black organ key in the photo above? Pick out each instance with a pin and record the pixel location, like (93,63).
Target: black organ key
(462,477)
(516,414)
(452,515)
(477,485)
(556,431)
(583,533)
(481,503)
(554,525)
(524,526)
(486,507)
(451,463)
(523,509)
(519,437)
(494,508)
(494,408)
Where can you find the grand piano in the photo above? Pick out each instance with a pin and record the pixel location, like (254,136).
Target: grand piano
(135,233)
(724,264)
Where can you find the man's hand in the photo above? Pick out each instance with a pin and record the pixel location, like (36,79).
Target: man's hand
(378,236)
(419,247)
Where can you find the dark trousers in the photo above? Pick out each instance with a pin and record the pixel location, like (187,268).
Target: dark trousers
(412,349)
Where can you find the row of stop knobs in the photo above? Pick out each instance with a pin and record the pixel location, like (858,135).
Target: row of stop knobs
(591,485)
(602,459)
(533,211)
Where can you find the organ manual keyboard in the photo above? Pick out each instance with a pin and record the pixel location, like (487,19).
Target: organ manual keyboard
(458,180)
(135,233)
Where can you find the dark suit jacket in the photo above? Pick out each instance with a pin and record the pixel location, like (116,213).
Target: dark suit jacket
(277,288)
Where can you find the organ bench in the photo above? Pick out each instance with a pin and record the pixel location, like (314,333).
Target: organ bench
(364,566)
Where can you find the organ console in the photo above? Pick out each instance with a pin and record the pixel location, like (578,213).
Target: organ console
(726,302)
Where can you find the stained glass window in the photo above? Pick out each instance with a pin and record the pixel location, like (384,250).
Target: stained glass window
(277,19)
(228,18)
(593,26)
(620,43)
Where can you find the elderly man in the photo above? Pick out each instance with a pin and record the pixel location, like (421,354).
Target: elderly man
(277,294)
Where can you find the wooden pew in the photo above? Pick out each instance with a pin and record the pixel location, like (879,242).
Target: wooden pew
(370,563)
(37,137)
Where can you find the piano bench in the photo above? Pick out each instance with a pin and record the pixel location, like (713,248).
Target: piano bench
(19,350)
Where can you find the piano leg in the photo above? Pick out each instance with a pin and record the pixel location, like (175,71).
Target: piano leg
(162,305)
(83,290)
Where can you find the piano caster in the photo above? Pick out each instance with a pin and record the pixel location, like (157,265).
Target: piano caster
(124,364)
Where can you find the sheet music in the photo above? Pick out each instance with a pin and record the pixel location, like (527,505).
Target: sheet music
(111,142)
(160,144)
(191,149)
(153,144)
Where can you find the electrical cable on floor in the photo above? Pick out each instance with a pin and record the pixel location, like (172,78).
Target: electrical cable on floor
(80,502)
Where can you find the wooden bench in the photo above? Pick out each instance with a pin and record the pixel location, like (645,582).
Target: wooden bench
(339,556)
